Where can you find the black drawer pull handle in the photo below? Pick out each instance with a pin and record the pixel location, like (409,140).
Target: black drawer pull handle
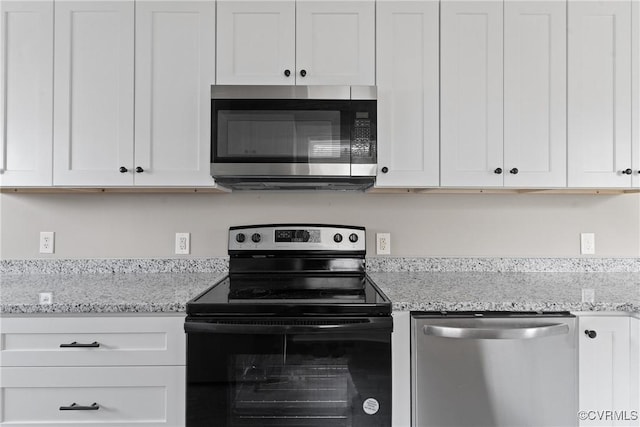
(76,344)
(75,407)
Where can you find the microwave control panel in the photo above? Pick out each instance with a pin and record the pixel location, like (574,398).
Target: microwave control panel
(361,144)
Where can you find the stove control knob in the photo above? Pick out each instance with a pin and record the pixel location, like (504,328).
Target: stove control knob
(255,237)
(353,237)
(337,237)
(240,237)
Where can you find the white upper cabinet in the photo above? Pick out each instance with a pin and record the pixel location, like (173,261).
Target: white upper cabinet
(535,101)
(26,85)
(256,42)
(503,91)
(174,57)
(93,86)
(408,93)
(289,42)
(471,87)
(335,42)
(635,94)
(599,73)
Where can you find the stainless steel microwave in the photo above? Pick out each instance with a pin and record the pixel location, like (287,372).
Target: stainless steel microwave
(294,137)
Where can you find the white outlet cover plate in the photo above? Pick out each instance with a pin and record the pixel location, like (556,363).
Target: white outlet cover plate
(587,243)
(45,298)
(383,243)
(47,242)
(183,244)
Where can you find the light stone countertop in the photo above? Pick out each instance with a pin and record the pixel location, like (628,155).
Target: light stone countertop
(428,291)
(435,291)
(103,293)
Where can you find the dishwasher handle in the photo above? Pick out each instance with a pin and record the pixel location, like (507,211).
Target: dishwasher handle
(497,333)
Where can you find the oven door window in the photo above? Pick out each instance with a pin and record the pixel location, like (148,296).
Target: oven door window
(289,380)
(280,132)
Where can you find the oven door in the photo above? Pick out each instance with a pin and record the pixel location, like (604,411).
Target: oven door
(289,372)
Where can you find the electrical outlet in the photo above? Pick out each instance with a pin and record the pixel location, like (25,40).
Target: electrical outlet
(182,243)
(588,295)
(45,298)
(47,241)
(383,243)
(587,243)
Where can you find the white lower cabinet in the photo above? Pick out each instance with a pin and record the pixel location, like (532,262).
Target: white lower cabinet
(109,396)
(88,370)
(605,368)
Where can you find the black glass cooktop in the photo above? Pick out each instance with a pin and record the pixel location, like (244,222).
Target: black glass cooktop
(272,295)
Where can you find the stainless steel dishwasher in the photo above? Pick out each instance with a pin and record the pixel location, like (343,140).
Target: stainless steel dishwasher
(494,369)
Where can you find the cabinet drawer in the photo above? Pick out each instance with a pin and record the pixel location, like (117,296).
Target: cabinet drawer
(92,341)
(146,396)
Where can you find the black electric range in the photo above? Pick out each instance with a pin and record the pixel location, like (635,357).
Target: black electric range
(294,270)
(296,335)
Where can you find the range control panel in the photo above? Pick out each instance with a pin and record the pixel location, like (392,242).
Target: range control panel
(298,237)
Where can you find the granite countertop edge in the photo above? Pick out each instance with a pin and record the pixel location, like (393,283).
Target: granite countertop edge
(397,306)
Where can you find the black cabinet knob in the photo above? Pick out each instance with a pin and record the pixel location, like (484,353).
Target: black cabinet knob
(514,171)
(123,169)
(287,73)
(139,169)
(591,334)
(384,169)
(627,172)
(303,73)
(497,171)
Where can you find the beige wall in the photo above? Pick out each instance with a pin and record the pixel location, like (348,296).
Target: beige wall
(143,225)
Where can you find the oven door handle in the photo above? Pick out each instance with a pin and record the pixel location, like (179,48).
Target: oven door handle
(255,327)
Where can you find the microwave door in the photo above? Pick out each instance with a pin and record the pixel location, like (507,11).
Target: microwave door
(281,137)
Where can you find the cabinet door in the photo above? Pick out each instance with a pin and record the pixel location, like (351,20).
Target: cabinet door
(123,396)
(335,42)
(604,368)
(535,101)
(471,93)
(256,42)
(175,48)
(635,98)
(26,85)
(408,93)
(93,83)
(599,104)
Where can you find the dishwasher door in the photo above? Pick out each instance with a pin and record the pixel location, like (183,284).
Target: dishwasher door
(494,369)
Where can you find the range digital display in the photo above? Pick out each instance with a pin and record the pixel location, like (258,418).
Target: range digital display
(292,236)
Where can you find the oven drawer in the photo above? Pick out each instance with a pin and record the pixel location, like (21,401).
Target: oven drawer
(92,341)
(111,396)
